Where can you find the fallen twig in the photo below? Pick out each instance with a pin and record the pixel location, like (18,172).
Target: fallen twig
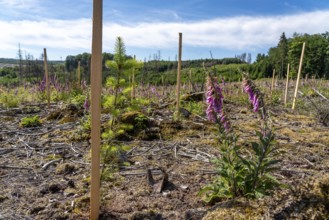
(46,165)
(142,173)
(26,144)
(15,167)
(204,153)
(129,152)
(325,98)
(199,116)
(309,162)
(6,151)
(144,151)
(209,171)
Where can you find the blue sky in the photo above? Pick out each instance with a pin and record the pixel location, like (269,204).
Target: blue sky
(224,27)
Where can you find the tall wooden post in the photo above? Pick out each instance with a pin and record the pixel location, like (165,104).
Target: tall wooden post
(47,76)
(179,67)
(162,85)
(298,77)
(96,86)
(287,85)
(190,81)
(273,82)
(79,76)
(133,82)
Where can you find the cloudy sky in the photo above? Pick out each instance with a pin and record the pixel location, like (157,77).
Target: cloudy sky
(224,27)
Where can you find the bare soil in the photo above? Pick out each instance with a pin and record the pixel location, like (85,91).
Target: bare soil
(45,171)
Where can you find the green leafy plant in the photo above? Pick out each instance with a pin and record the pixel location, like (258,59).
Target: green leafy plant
(258,180)
(238,175)
(9,100)
(33,121)
(194,107)
(78,99)
(276,97)
(231,173)
(86,123)
(83,130)
(141,121)
(112,155)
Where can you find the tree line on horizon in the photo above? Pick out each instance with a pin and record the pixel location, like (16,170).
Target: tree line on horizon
(287,51)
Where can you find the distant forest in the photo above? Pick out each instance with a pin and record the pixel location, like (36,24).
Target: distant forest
(158,71)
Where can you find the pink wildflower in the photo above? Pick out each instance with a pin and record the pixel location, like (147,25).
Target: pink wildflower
(249,88)
(215,103)
(86,104)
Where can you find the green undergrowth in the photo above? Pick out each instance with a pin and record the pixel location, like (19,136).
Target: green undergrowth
(32,121)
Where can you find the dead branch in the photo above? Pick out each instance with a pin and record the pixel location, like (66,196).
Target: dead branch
(325,98)
(46,165)
(142,173)
(6,151)
(15,167)
(201,152)
(26,144)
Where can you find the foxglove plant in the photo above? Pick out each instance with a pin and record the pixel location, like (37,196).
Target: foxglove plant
(258,167)
(214,99)
(229,166)
(56,84)
(41,86)
(239,175)
(225,89)
(84,85)
(86,104)
(40,89)
(255,96)
(257,102)
(155,93)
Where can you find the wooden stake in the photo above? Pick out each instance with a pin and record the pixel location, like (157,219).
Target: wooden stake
(96,86)
(47,76)
(163,85)
(273,81)
(178,73)
(287,84)
(190,81)
(298,77)
(79,76)
(133,82)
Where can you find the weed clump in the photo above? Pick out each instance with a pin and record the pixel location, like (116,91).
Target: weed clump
(33,121)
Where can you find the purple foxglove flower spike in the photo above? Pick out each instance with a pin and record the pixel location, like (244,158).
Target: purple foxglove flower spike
(86,104)
(249,88)
(214,99)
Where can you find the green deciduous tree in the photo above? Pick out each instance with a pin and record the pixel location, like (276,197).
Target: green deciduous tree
(316,54)
(288,50)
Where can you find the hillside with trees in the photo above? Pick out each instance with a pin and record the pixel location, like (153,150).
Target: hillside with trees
(288,50)
(158,71)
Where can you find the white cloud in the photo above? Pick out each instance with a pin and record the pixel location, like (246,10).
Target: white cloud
(64,34)
(229,33)
(232,33)
(170,14)
(18,4)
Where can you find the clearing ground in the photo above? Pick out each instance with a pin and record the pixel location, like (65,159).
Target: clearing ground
(45,171)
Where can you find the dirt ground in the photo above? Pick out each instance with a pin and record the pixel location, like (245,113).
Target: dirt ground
(45,171)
